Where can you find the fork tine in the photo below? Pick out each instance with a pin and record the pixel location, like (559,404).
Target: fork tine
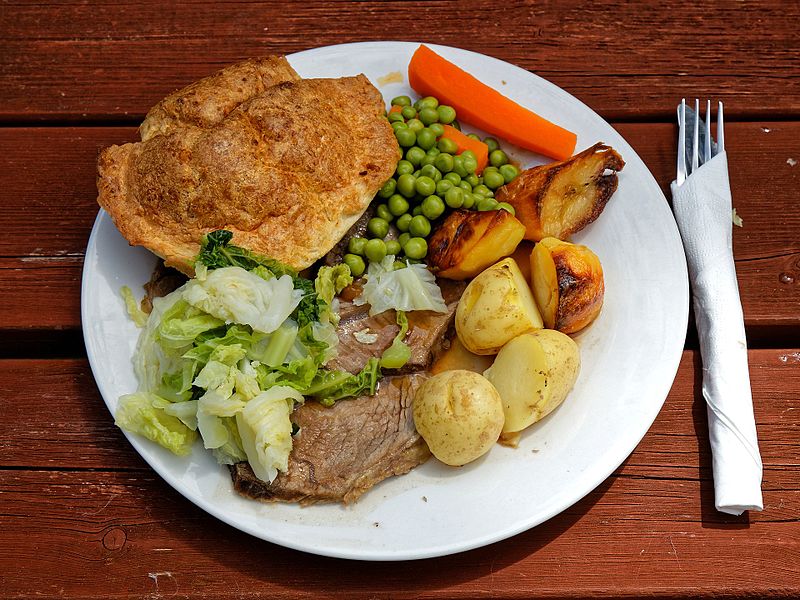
(707,146)
(720,130)
(696,137)
(681,166)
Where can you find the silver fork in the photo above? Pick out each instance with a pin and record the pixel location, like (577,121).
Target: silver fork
(699,154)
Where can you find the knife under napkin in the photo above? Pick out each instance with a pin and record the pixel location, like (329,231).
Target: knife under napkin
(703,208)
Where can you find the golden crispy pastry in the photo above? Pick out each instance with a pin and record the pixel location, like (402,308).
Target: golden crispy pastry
(206,102)
(288,172)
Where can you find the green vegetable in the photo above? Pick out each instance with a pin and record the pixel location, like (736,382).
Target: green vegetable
(416,248)
(485,203)
(454,197)
(142,413)
(377,228)
(509,172)
(470,200)
(355,263)
(437,129)
(426,139)
(393,247)
(492,143)
(330,386)
(447,114)
(398,206)
(403,167)
(498,158)
(406,137)
(383,212)
(433,207)
(387,189)
(329,282)
(415,125)
(419,226)
(414,155)
(412,288)
(401,101)
(444,162)
(428,115)
(406,185)
(424,185)
(506,206)
(137,315)
(404,221)
(398,354)
(395,117)
(455,178)
(482,190)
(375,250)
(404,237)
(447,145)
(493,180)
(356,245)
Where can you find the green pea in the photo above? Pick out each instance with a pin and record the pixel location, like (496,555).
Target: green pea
(447,114)
(432,207)
(417,210)
(399,125)
(401,101)
(448,145)
(395,117)
(415,125)
(485,203)
(489,169)
(509,173)
(428,115)
(458,166)
(403,167)
(406,185)
(454,177)
(414,155)
(468,154)
(403,238)
(498,158)
(393,247)
(425,185)
(408,112)
(492,143)
(387,189)
(428,160)
(419,226)
(375,250)
(416,248)
(430,171)
(482,190)
(384,213)
(437,129)
(444,162)
(454,197)
(470,200)
(403,221)
(406,137)
(465,185)
(399,264)
(356,245)
(416,173)
(378,227)
(442,187)
(470,164)
(428,102)
(493,179)
(474,136)
(433,151)
(397,205)
(506,206)
(472,179)
(356,264)
(426,139)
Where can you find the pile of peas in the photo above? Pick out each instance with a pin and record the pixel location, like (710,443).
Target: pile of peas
(430,178)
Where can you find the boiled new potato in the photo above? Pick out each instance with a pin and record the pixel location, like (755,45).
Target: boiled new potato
(458,357)
(567,281)
(496,307)
(469,241)
(533,374)
(459,414)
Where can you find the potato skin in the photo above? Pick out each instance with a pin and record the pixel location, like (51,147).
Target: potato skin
(559,199)
(496,307)
(534,373)
(459,414)
(469,241)
(577,298)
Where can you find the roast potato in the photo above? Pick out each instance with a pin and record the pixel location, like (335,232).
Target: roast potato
(469,241)
(496,307)
(459,414)
(533,373)
(559,199)
(457,357)
(568,286)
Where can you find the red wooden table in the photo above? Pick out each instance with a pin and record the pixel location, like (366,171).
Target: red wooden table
(82,516)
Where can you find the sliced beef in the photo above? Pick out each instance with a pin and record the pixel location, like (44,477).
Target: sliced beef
(341,452)
(427,333)
(162,281)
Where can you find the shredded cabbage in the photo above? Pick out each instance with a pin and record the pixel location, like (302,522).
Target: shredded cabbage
(142,413)
(266,430)
(238,296)
(137,315)
(410,288)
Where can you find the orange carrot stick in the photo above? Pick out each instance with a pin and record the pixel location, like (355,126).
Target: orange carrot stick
(478,104)
(465,142)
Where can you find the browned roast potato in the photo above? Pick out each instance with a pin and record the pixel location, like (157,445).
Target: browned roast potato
(469,241)
(558,199)
(567,282)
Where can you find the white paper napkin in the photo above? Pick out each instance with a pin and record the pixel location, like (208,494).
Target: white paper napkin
(703,208)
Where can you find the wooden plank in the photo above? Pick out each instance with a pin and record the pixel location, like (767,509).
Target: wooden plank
(37,435)
(74,61)
(48,178)
(125,532)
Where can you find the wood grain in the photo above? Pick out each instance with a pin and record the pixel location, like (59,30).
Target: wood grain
(106,61)
(48,178)
(649,529)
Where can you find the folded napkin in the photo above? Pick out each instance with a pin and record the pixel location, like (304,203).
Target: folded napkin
(703,209)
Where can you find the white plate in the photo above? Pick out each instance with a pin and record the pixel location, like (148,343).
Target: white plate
(630,356)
